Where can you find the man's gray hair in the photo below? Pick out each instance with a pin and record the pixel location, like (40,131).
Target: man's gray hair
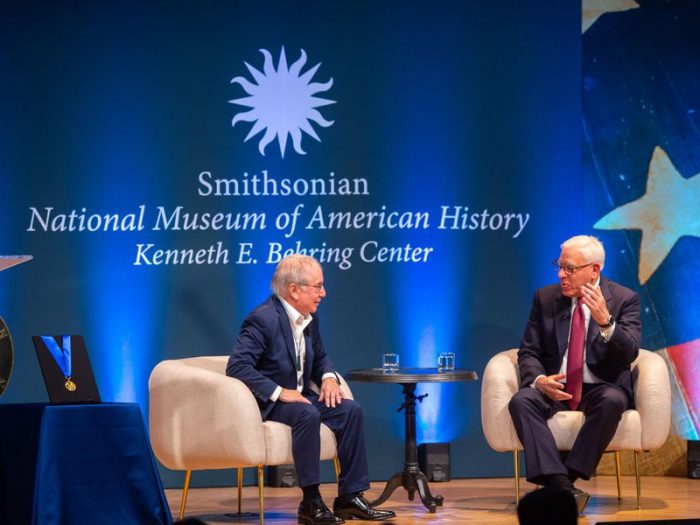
(294,268)
(590,247)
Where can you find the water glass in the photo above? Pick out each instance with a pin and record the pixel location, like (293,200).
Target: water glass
(390,363)
(446,361)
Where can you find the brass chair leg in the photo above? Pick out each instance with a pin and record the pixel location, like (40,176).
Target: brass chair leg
(185,488)
(336,466)
(261,491)
(516,467)
(639,480)
(239,484)
(617,474)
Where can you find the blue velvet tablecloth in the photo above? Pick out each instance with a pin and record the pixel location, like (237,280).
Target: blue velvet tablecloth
(78,464)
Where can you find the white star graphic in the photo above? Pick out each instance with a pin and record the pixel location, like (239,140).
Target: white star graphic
(592,9)
(668,211)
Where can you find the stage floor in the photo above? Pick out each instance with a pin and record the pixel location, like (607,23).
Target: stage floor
(466,500)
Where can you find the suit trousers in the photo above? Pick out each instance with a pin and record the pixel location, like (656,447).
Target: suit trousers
(346,421)
(602,404)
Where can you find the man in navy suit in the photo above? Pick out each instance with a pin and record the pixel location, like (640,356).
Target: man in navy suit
(277,354)
(580,339)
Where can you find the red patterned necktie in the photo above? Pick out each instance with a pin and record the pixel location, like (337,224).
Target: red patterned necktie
(574,360)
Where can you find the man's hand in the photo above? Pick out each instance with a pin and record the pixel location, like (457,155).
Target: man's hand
(552,388)
(593,298)
(330,393)
(292,396)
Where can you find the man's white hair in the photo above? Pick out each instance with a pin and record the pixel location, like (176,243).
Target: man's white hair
(590,247)
(294,268)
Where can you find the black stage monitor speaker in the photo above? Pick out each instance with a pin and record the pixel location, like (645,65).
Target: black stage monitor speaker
(694,459)
(281,476)
(434,461)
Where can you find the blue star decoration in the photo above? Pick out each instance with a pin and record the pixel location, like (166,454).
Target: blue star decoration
(667,211)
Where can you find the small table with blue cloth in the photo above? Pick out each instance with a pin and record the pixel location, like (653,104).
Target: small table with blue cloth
(78,464)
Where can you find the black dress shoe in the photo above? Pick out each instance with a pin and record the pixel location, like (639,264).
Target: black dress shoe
(581,498)
(315,512)
(359,508)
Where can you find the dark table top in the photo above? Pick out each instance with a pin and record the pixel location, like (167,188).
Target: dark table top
(412,375)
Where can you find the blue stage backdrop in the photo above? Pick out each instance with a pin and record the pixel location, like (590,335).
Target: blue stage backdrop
(159,158)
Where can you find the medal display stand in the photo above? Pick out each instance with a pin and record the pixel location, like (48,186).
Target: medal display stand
(66,369)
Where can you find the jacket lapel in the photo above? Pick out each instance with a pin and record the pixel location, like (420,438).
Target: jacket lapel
(286,329)
(562,319)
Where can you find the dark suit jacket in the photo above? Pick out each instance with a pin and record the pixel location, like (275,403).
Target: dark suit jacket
(264,356)
(546,336)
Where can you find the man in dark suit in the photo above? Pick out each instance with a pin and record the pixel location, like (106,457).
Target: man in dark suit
(580,339)
(277,354)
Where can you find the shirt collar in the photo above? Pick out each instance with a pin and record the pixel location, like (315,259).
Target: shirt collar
(293,314)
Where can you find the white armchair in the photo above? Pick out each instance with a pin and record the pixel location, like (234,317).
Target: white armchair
(201,419)
(644,428)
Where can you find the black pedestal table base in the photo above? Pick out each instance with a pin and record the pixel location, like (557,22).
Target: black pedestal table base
(411,478)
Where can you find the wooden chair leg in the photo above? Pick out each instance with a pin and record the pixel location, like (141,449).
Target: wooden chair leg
(516,468)
(239,485)
(261,492)
(617,475)
(336,466)
(185,488)
(639,480)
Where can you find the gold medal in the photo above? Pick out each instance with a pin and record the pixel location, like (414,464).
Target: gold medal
(70,385)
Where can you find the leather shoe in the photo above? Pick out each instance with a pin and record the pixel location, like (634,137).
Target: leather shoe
(315,512)
(359,508)
(581,498)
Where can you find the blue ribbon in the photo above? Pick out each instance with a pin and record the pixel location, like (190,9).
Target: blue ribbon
(60,354)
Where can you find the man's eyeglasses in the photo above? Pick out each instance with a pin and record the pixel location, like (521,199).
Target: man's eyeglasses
(316,287)
(567,269)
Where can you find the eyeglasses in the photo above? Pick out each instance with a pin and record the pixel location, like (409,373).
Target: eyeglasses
(316,287)
(567,269)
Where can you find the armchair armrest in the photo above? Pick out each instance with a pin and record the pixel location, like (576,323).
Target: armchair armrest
(500,382)
(652,398)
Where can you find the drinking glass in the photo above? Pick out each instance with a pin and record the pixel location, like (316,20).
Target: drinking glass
(390,363)
(446,361)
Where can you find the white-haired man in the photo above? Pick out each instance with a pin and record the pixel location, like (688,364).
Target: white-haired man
(277,354)
(580,339)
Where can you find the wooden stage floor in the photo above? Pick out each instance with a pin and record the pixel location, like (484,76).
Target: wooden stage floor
(466,501)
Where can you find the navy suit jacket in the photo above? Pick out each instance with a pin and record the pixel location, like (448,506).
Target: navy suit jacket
(264,355)
(546,336)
